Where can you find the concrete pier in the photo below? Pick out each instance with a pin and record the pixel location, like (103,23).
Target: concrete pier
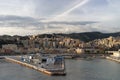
(110,58)
(37,68)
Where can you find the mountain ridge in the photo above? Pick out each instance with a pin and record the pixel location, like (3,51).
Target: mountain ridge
(86,36)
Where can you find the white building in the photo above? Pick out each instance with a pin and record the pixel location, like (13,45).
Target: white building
(50,61)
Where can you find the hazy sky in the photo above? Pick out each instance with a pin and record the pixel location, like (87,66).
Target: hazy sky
(25,17)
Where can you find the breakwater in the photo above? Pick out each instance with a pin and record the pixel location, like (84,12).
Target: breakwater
(37,68)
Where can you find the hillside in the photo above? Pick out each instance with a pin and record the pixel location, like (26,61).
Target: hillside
(86,37)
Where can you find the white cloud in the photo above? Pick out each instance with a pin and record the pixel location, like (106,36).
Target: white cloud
(105,12)
(17,7)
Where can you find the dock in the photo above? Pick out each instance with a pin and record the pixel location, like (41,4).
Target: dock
(43,70)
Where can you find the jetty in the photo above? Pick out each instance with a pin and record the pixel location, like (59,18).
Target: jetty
(50,71)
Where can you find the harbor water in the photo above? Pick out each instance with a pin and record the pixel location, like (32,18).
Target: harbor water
(97,69)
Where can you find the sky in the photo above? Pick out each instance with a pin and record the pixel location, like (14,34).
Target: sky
(31,17)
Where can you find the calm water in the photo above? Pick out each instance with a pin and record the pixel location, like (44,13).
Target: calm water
(98,69)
